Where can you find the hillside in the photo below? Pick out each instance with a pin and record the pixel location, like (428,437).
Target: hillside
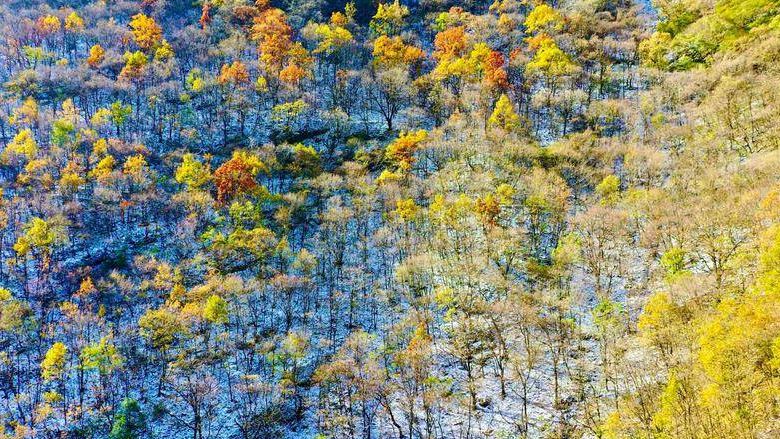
(421,219)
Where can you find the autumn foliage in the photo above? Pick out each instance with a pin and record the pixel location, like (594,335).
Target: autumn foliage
(402,219)
(236,176)
(146,31)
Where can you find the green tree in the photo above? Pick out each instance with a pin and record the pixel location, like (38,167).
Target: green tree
(129,421)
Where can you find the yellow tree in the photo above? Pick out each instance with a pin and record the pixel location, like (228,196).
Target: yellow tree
(53,364)
(389,18)
(401,151)
(146,31)
(504,116)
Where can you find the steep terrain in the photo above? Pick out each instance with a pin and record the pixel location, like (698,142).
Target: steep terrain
(414,219)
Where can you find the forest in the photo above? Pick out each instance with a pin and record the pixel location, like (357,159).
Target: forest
(401,219)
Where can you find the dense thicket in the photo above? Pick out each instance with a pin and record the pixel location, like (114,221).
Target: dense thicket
(415,219)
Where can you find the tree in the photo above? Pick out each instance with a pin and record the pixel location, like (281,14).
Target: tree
(147,33)
(101,356)
(388,92)
(237,176)
(288,113)
(609,189)
(332,38)
(161,327)
(235,74)
(216,310)
(74,22)
(135,63)
(389,18)
(274,37)
(290,357)
(23,144)
(392,51)
(401,151)
(352,380)
(129,421)
(543,18)
(504,116)
(53,364)
(192,173)
(450,44)
(49,24)
(549,60)
(14,313)
(40,235)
